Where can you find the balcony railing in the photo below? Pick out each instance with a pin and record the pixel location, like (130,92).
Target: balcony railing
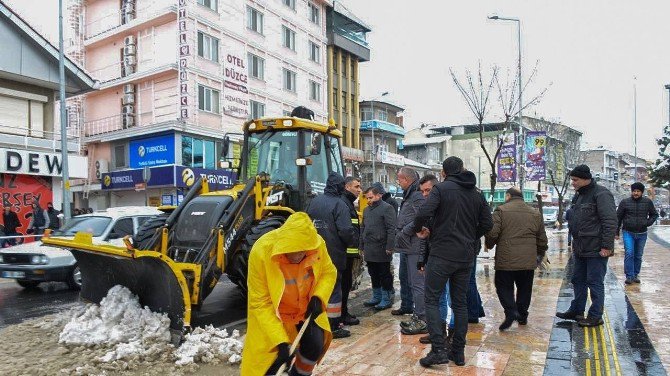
(27,137)
(114,19)
(104,125)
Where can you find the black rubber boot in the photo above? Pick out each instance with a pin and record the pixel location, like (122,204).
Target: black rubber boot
(437,355)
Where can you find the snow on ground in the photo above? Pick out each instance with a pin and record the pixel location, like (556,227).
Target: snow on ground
(119,337)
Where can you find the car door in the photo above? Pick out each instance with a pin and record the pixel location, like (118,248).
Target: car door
(122,227)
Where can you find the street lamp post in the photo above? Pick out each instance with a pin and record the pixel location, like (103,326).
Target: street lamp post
(63,116)
(372,127)
(521,132)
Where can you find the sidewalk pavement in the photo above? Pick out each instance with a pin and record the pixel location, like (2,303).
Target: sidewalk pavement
(376,347)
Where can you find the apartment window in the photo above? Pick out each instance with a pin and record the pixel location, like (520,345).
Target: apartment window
(335,57)
(335,98)
(314,91)
(198,153)
(211,4)
(288,38)
(314,52)
(314,14)
(257,109)
(254,20)
(208,99)
(208,47)
(344,68)
(120,160)
(382,115)
(344,102)
(289,80)
(256,66)
(290,4)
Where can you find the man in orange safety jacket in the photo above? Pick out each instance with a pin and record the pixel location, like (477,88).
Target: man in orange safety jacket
(290,278)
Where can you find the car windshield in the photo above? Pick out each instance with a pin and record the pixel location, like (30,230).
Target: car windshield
(93,225)
(549,212)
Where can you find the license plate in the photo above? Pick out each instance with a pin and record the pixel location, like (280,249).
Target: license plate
(13,274)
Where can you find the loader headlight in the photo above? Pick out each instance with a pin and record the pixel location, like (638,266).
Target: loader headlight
(39,259)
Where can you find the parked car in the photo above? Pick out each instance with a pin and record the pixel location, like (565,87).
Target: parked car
(32,263)
(550,214)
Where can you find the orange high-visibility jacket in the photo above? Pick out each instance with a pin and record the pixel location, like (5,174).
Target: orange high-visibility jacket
(266,285)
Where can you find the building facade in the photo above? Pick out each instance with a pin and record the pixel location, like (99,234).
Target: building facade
(30,136)
(178,74)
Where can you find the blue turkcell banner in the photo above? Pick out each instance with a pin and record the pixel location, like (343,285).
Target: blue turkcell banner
(172,176)
(152,151)
(217,179)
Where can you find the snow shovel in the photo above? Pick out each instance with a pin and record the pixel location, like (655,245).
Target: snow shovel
(294,346)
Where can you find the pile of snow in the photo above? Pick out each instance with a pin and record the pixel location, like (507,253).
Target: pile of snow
(121,322)
(210,345)
(133,333)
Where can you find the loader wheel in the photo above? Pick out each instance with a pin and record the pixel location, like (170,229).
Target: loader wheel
(263,227)
(146,232)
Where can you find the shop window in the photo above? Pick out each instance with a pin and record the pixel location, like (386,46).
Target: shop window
(120,156)
(198,153)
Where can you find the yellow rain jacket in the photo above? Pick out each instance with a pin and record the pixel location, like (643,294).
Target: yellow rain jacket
(265,329)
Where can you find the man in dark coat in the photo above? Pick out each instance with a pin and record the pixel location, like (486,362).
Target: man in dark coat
(409,247)
(39,221)
(52,213)
(460,217)
(593,227)
(518,231)
(333,222)
(352,189)
(635,213)
(11,223)
(377,241)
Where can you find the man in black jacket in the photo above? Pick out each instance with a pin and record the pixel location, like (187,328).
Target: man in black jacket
(333,222)
(386,196)
(11,223)
(352,189)
(635,213)
(461,217)
(593,226)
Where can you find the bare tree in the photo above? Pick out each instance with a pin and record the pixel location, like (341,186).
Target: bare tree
(477,91)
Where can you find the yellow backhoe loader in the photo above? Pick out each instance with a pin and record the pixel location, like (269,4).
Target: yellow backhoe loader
(176,259)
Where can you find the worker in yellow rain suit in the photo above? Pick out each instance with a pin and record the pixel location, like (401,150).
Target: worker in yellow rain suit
(290,278)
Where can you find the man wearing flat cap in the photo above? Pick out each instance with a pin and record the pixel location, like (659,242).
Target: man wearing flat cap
(593,226)
(635,214)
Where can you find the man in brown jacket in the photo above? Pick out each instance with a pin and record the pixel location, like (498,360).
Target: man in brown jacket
(518,232)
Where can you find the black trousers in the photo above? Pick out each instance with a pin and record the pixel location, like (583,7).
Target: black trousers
(347,281)
(505,281)
(308,352)
(380,275)
(438,272)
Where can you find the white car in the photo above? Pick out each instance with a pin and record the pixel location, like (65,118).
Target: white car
(550,214)
(32,263)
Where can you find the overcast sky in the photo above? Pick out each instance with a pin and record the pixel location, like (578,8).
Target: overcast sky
(588,51)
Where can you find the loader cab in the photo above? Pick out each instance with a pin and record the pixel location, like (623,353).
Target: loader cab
(294,153)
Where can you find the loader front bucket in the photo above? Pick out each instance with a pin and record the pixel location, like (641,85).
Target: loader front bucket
(159,282)
(150,278)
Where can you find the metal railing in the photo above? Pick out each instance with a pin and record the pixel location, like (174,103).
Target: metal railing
(29,137)
(104,125)
(113,20)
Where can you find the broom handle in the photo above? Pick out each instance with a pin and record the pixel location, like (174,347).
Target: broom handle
(295,344)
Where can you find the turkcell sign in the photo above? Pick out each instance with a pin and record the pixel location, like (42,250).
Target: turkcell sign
(127,179)
(154,151)
(217,179)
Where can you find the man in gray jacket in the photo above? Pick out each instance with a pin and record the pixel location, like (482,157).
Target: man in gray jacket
(378,236)
(408,245)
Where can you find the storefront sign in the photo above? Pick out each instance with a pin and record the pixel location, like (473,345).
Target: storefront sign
(183,51)
(166,199)
(44,164)
(217,179)
(18,192)
(154,151)
(235,92)
(535,150)
(507,164)
(391,158)
(128,179)
(351,154)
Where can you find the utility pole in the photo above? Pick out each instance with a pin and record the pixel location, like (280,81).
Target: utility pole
(63,116)
(635,127)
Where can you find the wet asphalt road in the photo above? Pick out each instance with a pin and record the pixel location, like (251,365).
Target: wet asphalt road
(224,307)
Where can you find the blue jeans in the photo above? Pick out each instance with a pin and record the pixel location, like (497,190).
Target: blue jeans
(475,308)
(445,307)
(406,300)
(633,243)
(589,275)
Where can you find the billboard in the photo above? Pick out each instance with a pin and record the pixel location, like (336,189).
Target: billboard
(153,151)
(535,150)
(19,191)
(127,179)
(507,164)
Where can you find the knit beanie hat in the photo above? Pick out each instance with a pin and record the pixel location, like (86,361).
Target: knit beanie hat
(581,171)
(637,186)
